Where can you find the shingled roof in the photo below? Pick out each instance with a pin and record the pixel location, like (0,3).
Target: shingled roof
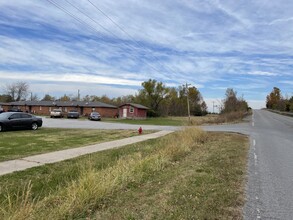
(135,105)
(61,104)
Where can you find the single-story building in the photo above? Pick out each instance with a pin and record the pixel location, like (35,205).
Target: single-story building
(133,111)
(1,108)
(45,107)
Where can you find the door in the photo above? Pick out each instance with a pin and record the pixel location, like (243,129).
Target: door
(15,120)
(125,113)
(26,121)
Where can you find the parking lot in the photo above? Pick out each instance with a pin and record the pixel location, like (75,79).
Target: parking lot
(87,124)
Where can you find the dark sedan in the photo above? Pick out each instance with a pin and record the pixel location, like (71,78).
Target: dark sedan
(73,114)
(19,120)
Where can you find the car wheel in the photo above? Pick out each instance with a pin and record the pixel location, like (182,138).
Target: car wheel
(35,126)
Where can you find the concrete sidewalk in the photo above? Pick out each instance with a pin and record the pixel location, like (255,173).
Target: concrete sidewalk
(53,157)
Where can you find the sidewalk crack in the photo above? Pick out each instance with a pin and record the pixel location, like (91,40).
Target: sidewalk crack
(31,161)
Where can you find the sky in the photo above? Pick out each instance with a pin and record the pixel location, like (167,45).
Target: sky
(111,47)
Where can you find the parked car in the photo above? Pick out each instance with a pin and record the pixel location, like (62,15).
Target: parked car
(14,110)
(56,113)
(95,116)
(19,120)
(73,114)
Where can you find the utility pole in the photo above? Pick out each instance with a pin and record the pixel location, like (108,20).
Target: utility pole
(78,95)
(220,106)
(187,94)
(214,107)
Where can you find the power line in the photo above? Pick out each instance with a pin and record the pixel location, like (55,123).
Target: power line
(110,19)
(93,28)
(125,32)
(73,16)
(110,32)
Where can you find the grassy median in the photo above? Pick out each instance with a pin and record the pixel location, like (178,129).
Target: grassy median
(189,174)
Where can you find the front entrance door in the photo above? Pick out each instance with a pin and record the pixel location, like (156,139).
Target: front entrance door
(125,113)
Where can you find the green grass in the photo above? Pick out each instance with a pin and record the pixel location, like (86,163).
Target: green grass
(168,121)
(180,120)
(185,175)
(17,144)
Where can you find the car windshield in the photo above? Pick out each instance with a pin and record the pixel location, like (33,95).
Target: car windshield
(3,116)
(56,110)
(95,113)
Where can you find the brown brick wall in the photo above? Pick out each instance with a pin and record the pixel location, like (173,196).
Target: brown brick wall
(45,110)
(104,112)
(136,114)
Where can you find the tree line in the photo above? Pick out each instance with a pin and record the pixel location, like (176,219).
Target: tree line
(276,101)
(162,100)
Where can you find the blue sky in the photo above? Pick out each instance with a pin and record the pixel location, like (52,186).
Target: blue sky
(213,45)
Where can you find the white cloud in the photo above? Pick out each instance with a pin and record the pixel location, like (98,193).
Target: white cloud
(256,104)
(214,104)
(58,89)
(289,82)
(281,20)
(68,77)
(262,73)
(204,43)
(237,16)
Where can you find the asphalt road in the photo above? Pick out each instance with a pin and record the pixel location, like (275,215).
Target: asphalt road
(269,190)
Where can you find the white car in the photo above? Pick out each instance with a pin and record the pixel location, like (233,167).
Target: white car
(56,113)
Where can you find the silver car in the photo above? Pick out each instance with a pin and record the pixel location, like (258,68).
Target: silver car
(95,116)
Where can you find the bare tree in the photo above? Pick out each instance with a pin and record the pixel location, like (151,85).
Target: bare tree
(18,91)
(34,97)
(232,103)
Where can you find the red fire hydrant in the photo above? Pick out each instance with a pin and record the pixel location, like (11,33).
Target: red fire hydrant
(140,130)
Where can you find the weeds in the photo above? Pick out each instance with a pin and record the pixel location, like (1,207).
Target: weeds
(82,196)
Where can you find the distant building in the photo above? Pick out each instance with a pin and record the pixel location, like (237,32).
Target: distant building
(133,111)
(45,107)
(1,108)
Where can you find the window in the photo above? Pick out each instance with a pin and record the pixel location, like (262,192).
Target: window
(40,108)
(131,109)
(26,116)
(15,116)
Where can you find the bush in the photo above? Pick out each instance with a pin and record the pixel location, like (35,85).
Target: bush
(231,116)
